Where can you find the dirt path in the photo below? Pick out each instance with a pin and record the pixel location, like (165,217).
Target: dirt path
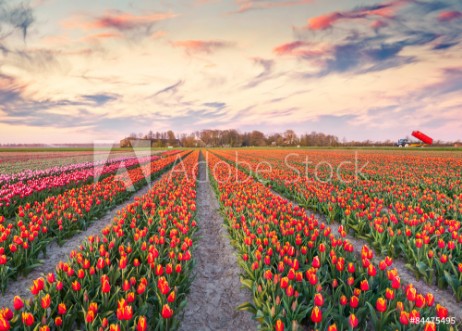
(442,297)
(216,290)
(56,253)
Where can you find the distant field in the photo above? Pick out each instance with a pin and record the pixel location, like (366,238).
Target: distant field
(17,160)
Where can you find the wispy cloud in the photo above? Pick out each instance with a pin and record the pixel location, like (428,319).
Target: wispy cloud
(248,5)
(101,99)
(392,28)
(169,89)
(201,46)
(302,49)
(19,16)
(449,15)
(118,21)
(267,66)
(385,10)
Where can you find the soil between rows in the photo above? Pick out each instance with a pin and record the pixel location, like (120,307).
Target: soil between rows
(216,289)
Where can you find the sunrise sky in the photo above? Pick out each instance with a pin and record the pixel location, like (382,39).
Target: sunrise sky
(78,71)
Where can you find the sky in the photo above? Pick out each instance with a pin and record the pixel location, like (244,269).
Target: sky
(80,71)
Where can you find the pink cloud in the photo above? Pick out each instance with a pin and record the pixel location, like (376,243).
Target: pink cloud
(378,24)
(116,20)
(201,46)
(102,36)
(447,16)
(326,21)
(302,49)
(247,5)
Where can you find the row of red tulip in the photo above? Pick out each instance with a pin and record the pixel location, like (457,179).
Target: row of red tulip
(18,192)
(302,276)
(133,276)
(60,217)
(410,210)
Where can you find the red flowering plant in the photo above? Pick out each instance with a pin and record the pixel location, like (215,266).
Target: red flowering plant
(60,217)
(133,276)
(405,205)
(301,274)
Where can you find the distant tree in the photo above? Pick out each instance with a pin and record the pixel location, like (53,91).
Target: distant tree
(257,138)
(291,137)
(207,137)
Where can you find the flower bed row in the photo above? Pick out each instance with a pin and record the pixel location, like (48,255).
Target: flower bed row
(405,212)
(302,276)
(134,276)
(60,217)
(15,193)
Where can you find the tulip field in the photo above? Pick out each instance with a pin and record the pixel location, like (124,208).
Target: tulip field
(279,208)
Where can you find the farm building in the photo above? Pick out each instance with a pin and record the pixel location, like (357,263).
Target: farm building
(145,142)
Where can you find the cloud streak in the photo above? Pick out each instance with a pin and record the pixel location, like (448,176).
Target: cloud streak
(116,20)
(449,15)
(385,10)
(362,48)
(249,5)
(201,46)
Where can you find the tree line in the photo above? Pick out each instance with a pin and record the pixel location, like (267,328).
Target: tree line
(235,138)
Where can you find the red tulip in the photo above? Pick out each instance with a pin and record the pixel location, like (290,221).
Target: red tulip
(353,321)
(381,305)
(441,311)
(364,285)
(404,317)
(166,312)
(90,316)
(430,299)
(284,282)
(316,263)
(62,308)
(142,324)
(17,303)
(45,301)
(171,297)
(419,301)
(4,324)
(430,326)
(354,301)
(316,315)
(76,286)
(332,327)
(318,299)
(279,326)
(27,319)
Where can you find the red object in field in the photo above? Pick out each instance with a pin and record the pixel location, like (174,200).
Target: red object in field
(423,137)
